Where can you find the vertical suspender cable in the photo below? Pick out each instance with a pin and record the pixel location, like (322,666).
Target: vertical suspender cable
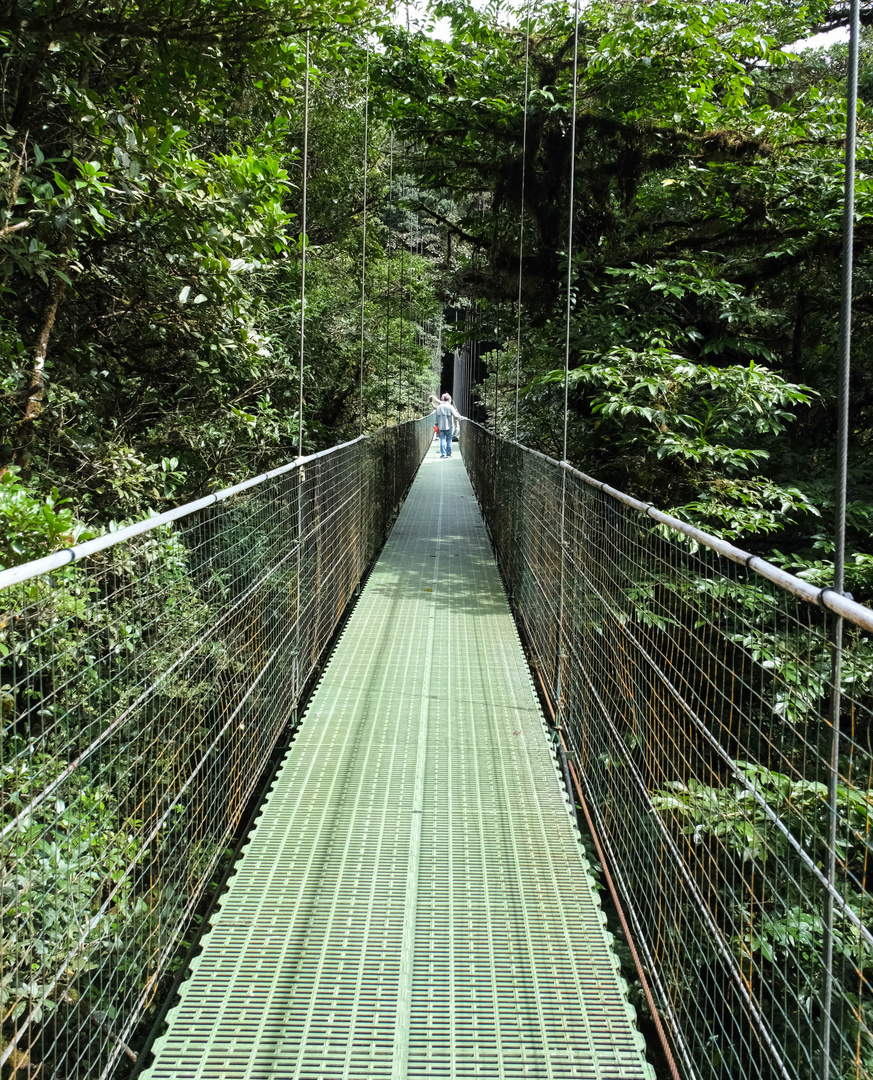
(570,234)
(403,239)
(458,392)
(462,356)
(845,334)
(559,658)
(300,471)
(521,215)
(497,375)
(495,425)
(465,370)
(388,282)
(439,352)
(472,369)
(464,362)
(481,368)
(364,242)
(364,554)
(303,242)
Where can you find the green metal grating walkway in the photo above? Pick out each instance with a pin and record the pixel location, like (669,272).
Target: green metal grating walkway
(413,901)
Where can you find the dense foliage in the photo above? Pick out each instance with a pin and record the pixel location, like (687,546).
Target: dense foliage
(706,219)
(151,248)
(151,254)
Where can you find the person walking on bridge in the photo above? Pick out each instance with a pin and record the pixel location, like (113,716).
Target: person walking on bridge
(456,422)
(445,418)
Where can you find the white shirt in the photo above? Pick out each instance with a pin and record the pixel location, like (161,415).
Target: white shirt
(445,414)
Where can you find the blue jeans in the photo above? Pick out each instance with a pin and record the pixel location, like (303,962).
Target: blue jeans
(445,443)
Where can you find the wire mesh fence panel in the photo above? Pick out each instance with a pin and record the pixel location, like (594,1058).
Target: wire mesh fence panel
(693,694)
(144,686)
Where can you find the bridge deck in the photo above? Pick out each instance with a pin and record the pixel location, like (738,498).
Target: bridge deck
(413,901)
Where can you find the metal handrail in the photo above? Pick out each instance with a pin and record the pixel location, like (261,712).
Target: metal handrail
(827,597)
(13,575)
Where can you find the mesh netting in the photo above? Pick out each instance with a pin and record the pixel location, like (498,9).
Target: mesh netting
(692,694)
(144,689)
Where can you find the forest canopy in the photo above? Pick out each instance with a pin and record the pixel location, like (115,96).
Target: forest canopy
(152,249)
(707,234)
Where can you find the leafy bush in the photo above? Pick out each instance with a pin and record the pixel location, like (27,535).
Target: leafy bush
(31,526)
(774,902)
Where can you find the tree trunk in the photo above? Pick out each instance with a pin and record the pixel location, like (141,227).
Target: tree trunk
(36,383)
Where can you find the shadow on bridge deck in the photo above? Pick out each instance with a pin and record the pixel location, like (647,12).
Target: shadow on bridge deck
(413,900)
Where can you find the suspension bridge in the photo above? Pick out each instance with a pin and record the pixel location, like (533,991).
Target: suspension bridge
(414,898)
(222,859)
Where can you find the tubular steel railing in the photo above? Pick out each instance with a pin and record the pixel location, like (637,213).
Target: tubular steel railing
(146,679)
(690,685)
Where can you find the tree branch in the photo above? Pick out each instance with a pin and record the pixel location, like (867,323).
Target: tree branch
(477,241)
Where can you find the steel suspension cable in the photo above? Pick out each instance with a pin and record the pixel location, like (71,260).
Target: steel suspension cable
(521,215)
(467,367)
(303,244)
(301,471)
(497,375)
(559,659)
(466,372)
(388,283)
(570,230)
(845,336)
(439,351)
(364,240)
(468,377)
(403,239)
